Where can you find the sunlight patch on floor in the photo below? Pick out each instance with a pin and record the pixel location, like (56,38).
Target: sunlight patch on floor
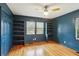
(35,51)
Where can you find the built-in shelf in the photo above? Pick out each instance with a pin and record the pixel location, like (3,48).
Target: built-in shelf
(18,26)
(18,32)
(18,23)
(19,35)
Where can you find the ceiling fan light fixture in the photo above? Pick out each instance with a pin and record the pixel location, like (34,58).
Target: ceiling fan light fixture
(45,12)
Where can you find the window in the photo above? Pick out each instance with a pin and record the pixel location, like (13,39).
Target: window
(30,27)
(40,28)
(34,27)
(77,28)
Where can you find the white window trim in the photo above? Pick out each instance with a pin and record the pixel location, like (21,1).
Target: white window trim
(76,27)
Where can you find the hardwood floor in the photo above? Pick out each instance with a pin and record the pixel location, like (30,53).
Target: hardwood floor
(42,49)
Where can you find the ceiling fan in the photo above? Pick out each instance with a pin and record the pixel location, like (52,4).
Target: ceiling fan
(47,8)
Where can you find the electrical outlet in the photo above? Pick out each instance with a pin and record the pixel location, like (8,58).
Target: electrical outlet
(64,41)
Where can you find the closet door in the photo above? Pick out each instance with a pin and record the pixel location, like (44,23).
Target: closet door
(3,36)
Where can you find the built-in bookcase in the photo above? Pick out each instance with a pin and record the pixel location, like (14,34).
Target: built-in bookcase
(49,30)
(18,32)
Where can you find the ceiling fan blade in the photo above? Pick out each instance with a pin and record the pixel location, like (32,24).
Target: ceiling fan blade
(48,6)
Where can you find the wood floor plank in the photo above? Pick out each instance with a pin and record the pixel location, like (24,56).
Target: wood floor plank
(42,49)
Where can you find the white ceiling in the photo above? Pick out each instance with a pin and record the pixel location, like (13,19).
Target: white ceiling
(36,9)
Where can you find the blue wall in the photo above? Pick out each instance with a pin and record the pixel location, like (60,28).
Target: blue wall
(29,38)
(0,30)
(6,29)
(65,30)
